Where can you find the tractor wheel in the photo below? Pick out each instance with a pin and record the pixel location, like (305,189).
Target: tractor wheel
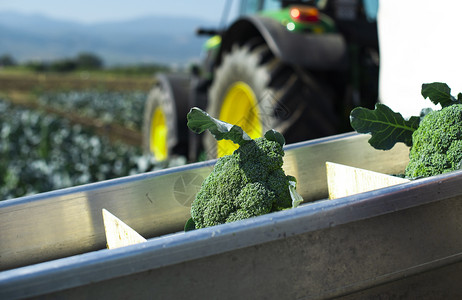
(255,90)
(164,125)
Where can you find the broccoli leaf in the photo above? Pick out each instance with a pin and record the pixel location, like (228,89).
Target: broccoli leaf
(439,93)
(199,121)
(273,135)
(190,225)
(296,197)
(386,126)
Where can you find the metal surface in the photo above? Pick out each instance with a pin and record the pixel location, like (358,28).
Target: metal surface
(67,222)
(354,245)
(397,241)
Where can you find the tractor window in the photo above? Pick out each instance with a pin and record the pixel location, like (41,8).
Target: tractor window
(371,8)
(249,7)
(272,5)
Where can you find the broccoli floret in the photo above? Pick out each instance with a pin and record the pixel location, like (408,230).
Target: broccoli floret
(437,143)
(248,183)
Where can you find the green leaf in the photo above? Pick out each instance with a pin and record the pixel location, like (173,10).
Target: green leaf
(273,135)
(439,93)
(199,121)
(386,126)
(296,197)
(190,225)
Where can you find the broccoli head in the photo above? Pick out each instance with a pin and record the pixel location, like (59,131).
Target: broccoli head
(437,143)
(248,183)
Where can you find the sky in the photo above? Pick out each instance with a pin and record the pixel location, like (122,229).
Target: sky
(91,11)
(419,43)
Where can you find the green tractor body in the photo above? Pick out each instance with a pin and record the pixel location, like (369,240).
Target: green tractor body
(296,66)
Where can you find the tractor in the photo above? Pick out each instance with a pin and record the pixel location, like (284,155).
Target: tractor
(295,66)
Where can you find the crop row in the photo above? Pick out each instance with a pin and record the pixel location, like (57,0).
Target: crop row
(41,152)
(124,108)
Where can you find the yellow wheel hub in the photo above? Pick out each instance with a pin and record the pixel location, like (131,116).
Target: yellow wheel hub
(240,107)
(158,135)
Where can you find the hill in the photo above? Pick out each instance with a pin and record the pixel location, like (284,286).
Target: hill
(151,39)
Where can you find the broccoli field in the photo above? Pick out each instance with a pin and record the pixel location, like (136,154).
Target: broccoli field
(41,151)
(122,108)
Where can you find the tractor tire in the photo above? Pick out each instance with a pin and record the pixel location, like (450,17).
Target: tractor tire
(165,131)
(253,89)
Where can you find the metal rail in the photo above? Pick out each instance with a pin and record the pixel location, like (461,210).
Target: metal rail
(367,244)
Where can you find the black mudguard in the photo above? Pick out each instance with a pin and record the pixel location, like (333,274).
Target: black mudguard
(314,51)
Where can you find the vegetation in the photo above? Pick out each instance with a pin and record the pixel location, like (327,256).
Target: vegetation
(42,152)
(435,137)
(248,183)
(66,128)
(7,60)
(437,143)
(82,62)
(124,108)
